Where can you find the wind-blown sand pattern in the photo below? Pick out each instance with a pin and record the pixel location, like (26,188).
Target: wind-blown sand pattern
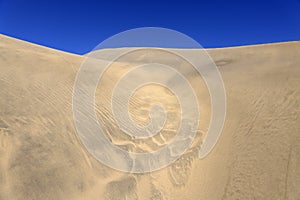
(256,157)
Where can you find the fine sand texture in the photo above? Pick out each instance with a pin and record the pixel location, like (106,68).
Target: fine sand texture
(256,157)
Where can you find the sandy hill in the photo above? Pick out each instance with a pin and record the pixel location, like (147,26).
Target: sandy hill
(256,157)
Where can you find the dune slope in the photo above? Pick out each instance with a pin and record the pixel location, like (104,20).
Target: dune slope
(256,157)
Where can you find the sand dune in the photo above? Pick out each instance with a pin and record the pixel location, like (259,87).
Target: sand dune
(256,157)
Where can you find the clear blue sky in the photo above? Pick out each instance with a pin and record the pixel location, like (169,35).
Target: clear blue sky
(78,26)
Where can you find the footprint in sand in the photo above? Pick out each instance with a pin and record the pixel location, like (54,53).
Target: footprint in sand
(122,189)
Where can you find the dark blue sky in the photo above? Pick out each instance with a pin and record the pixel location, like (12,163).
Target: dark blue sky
(78,26)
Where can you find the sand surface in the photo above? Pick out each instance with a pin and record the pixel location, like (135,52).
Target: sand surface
(256,157)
